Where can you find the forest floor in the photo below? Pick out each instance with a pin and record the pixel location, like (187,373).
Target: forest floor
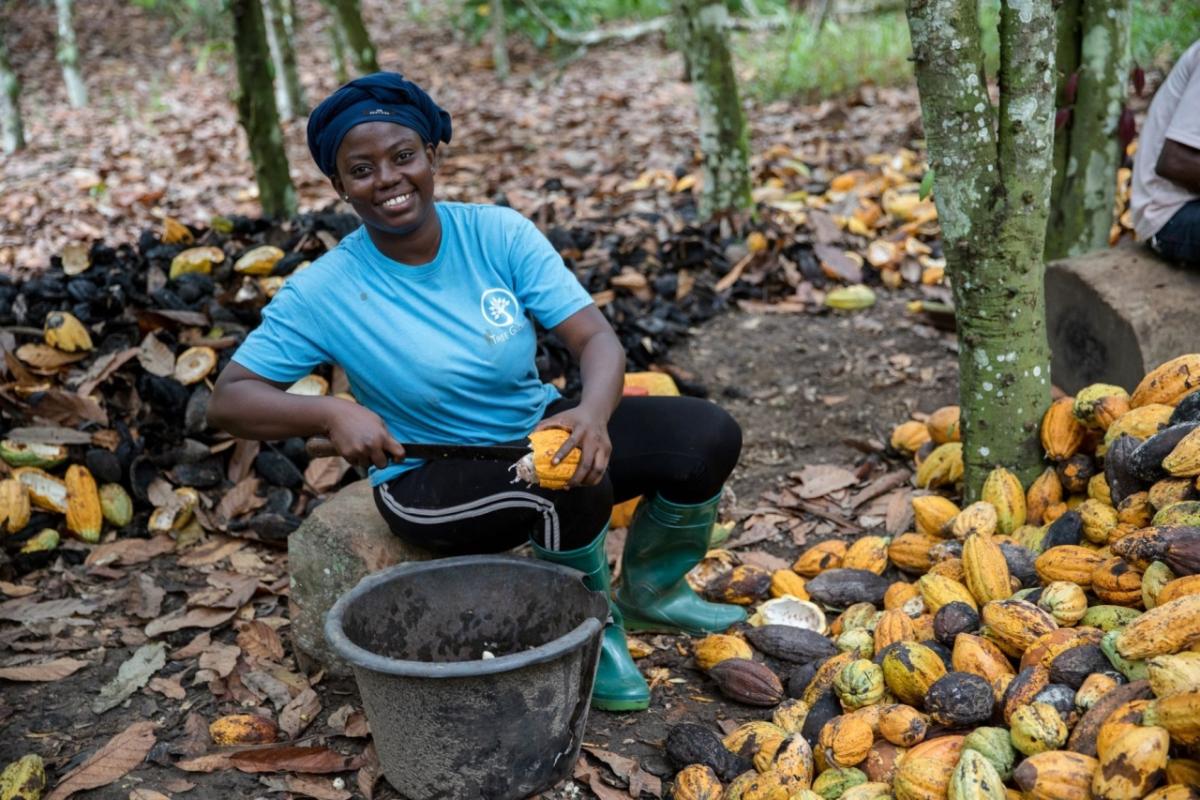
(816,391)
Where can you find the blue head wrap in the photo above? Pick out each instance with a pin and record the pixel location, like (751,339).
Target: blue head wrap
(380,97)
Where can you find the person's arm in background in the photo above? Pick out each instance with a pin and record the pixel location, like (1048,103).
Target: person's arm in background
(249,406)
(1180,164)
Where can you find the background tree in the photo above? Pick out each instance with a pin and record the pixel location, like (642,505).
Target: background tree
(499,39)
(289,94)
(68,56)
(359,49)
(257,111)
(12,130)
(992,170)
(1093,64)
(724,142)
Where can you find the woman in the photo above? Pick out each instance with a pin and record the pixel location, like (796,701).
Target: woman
(427,308)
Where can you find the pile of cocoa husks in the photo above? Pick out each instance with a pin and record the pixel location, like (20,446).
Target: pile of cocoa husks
(1043,642)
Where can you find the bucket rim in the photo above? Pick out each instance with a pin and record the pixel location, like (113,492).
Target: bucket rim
(362,658)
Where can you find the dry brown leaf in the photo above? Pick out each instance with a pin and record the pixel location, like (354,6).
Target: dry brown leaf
(591,775)
(370,773)
(172,689)
(764,560)
(26,609)
(43,356)
(225,590)
(216,549)
(117,757)
(129,551)
(211,762)
(68,408)
(299,713)
(267,687)
(259,641)
(308,786)
(820,479)
(242,460)
(145,597)
(630,771)
(241,499)
(54,670)
(194,648)
(102,369)
(317,760)
(156,357)
(899,516)
(189,618)
(16,589)
(220,658)
(323,474)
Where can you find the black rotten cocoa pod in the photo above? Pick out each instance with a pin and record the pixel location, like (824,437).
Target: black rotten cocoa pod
(278,470)
(826,707)
(841,588)
(1187,409)
(1073,665)
(201,475)
(195,415)
(1062,698)
(953,619)
(960,699)
(688,743)
(1021,564)
(104,465)
(1118,469)
(799,678)
(789,643)
(1145,463)
(1075,472)
(1067,529)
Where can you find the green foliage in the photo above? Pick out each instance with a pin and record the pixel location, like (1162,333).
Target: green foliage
(1162,30)
(473,16)
(205,20)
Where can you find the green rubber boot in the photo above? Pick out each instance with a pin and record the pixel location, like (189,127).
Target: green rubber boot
(619,684)
(665,541)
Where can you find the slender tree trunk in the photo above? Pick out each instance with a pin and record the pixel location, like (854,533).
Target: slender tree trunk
(338,48)
(12,129)
(1094,35)
(68,56)
(354,34)
(257,111)
(289,96)
(992,171)
(499,40)
(724,141)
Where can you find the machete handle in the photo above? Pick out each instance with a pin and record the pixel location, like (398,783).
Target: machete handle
(320,447)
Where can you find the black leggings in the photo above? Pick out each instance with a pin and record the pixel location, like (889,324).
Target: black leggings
(680,447)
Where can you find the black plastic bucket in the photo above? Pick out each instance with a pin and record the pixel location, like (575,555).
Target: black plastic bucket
(448,722)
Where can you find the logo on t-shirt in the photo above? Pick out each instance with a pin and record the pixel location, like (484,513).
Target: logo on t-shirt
(499,307)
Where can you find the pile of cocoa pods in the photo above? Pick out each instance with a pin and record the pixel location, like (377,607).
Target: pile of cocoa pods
(1041,643)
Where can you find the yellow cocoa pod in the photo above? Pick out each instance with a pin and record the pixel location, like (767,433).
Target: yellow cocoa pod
(655,384)
(1115,582)
(909,669)
(1066,601)
(932,513)
(1166,628)
(826,674)
(1068,562)
(787,582)
(1094,687)
(697,782)
(259,260)
(1155,578)
(820,557)
(794,762)
(1053,512)
(1015,624)
(196,259)
(1132,765)
(944,425)
(943,467)
(1183,771)
(64,332)
(1056,775)
(1037,728)
(1045,491)
(1174,674)
(84,517)
(907,437)
(1098,405)
(1174,793)
(985,569)
(1179,714)
(899,593)
(951,568)
(1169,491)
(893,626)
(195,364)
(833,783)
(790,715)
(23,779)
(1097,489)
(1168,382)
(845,740)
(1184,459)
(922,779)
(938,591)
(869,553)
(1062,433)
(1140,423)
(718,647)
(14,505)
(539,468)
(979,518)
(912,552)
(858,685)
(764,786)
(749,739)
(1179,587)
(242,729)
(1098,520)
(868,791)
(902,725)
(1003,491)
(978,656)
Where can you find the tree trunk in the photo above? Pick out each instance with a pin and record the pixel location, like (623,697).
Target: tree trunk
(991,184)
(499,40)
(338,47)
(257,112)
(724,142)
(68,56)
(1095,38)
(12,130)
(289,96)
(354,35)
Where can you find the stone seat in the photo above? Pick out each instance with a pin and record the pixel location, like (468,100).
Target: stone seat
(1113,315)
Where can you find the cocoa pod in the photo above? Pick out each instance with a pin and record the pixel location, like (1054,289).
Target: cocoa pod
(688,743)
(1146,462)
(1083,737)
(1187,409)
(960,699)
(747,682)
(789,643)
(1118,468)
(840,588)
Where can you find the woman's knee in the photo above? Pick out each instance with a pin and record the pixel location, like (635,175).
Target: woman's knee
(722,439)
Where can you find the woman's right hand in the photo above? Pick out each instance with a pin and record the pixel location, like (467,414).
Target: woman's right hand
(360,435)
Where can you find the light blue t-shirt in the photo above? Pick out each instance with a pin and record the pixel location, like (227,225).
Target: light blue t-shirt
(443,352)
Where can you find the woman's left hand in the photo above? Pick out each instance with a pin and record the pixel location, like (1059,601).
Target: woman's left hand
(590,434)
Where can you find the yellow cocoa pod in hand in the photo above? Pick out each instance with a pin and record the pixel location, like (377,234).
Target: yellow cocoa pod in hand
(539,468)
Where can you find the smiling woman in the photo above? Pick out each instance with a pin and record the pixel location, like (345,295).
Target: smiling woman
(427,308)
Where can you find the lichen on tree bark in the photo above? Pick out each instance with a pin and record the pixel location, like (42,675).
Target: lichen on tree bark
(1093,41)
(68,56)
(992,173)
(724,141)
(12,129)
(289,94)
(257,111)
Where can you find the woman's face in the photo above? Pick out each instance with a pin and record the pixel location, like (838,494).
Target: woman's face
(386,172)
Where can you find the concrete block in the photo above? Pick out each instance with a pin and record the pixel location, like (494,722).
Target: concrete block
(341,541)
(1113,315)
